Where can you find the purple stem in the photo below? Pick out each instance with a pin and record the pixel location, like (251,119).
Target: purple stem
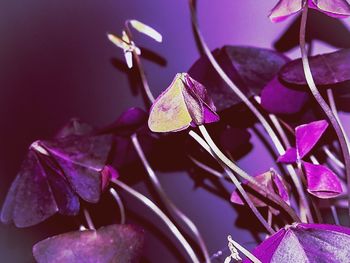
(323,104)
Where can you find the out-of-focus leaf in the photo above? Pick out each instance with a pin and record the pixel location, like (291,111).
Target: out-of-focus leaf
(327,69)
(110,244)
(249,68)
(147,30)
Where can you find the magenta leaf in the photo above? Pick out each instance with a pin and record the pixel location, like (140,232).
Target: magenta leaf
(277,98)
(327,69)
(290,156)
(113,243)
(307,135)
(321,181)
(306,243)
(249,68)
(286,8)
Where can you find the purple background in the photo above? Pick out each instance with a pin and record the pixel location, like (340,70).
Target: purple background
(56,63)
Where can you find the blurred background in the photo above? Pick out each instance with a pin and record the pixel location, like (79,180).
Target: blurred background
(56,63)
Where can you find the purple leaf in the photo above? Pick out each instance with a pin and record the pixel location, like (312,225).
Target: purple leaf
(321,181)
(280,99)
(327,69)
(82,160)
(184,103)
(248,67)
(114,243)
(38,192)
(333,8)
(307,135)
(286,8)
(306,243)
(290,156)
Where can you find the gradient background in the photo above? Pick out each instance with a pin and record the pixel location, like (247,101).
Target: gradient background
(56,63)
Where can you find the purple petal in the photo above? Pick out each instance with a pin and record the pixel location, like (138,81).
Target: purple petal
(307,135)
(290,156)
(327,69)
(284,9)
(333,8)
(321,181)
(279,99)
(114,243)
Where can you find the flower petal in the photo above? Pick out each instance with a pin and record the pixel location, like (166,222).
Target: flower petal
(284,9)
(321,181)
(307,135)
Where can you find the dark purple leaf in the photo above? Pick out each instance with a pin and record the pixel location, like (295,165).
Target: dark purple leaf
(306,243)
(277,98)
(37,193)
(82,160)
(307,135)
(248,67)
(114,243)
(290,156)
(327,69)
(321,181)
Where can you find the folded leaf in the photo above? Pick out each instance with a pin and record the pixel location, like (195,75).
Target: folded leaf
(321,181)
(307,135)
(284,9)
(290,156)
(327,69)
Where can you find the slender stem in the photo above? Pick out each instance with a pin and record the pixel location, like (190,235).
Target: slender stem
(166,200)
(139,66)
(120,205)
(249,104)
(235,182)
(335,215)
(311,83)
(333,158)
(260,188)
(88,219)
(161,215)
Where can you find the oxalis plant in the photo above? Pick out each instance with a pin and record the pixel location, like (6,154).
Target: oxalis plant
(293,100)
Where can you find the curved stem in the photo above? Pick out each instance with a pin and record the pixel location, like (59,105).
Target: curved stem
(166,200)
(161,215)
(120,205)
(137,59)
(234,180)
(311,83)
(259,188)
(244,251)
(249,104)
(88,219)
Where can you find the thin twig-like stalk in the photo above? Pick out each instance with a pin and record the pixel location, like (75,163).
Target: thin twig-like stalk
(88,219)
(167,201)
(139,65)
(120,205)
(161,215)
(323,104)
(249,104)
